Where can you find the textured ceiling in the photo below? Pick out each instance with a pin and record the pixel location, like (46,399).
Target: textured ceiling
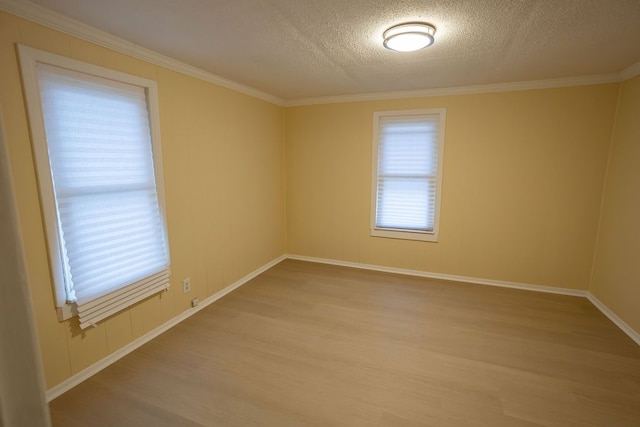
(310,48)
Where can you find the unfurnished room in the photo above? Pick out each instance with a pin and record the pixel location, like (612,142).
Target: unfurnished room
(319,213)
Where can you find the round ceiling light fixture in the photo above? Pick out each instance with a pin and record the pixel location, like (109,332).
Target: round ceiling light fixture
(409,37)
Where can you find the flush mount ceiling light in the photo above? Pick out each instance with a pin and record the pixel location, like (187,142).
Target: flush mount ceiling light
(409,37)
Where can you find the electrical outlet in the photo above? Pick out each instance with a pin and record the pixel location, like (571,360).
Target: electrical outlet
(186,285)
(195,302)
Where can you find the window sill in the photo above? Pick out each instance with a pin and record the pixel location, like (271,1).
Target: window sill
(66,312)
(405,235)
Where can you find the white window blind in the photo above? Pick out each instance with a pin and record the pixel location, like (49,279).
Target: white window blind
(111,236)
(407,175)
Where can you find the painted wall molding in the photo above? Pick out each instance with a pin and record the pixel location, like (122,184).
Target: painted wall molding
(77,378)
(630,72)
(56,21)
(634,335)
(460,90)
(614,318)
(449,277)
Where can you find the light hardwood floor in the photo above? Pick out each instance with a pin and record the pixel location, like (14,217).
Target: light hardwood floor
(308,344)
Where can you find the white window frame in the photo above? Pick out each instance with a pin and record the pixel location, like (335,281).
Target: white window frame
(29,60)
(408,234)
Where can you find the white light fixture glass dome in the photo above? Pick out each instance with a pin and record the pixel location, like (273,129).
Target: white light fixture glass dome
(409,37)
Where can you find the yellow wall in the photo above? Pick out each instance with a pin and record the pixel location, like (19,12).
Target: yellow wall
(522,190)
(616,278)
(223,159)
(522,184)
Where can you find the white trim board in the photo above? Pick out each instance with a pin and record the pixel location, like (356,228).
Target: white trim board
(76,379)
(635,336)
(614,318)
(450,277)
(56,21)
(630,71)
(460,90)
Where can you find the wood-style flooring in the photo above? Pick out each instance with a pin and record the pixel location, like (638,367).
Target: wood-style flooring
(307,344)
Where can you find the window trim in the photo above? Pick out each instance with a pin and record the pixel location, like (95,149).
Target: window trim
(29,58)
(427,236)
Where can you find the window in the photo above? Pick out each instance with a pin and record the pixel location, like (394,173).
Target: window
(408,148)
(97,152)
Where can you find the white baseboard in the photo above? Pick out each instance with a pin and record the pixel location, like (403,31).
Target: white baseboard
(418,273)
(635,336)
(615,319)
(76,379)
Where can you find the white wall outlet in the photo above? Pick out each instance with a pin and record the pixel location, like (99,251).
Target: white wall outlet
(186,285)
(195,302)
